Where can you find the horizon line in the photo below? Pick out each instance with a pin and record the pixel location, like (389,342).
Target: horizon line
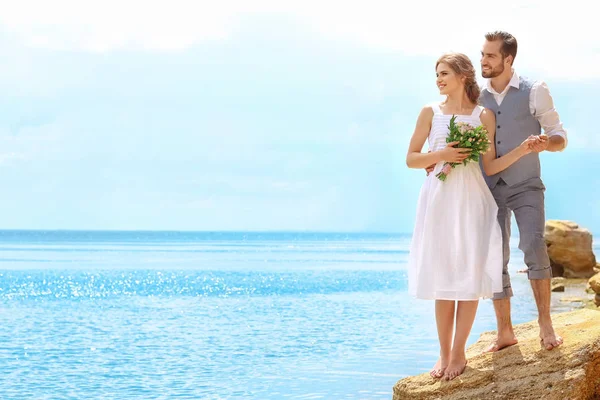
(192,230)
(213,231)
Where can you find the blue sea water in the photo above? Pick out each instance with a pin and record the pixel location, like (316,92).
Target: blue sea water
(200,315)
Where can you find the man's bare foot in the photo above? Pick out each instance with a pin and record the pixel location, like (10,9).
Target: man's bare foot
(456,367)
(548,337)
(502,342)
(439,368)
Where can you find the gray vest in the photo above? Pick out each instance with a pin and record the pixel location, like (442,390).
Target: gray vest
(514,124)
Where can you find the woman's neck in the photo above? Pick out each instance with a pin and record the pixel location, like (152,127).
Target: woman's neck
(458,103)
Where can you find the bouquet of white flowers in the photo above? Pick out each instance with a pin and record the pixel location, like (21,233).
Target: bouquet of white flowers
(468,136)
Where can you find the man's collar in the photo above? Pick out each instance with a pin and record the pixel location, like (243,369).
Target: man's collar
(514,82)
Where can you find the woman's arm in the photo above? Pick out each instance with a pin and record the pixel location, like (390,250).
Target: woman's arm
(491,164)
(418,160)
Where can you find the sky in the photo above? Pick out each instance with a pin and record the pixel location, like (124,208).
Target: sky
(261,115)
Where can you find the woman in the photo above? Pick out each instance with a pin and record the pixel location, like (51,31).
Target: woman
(456,250)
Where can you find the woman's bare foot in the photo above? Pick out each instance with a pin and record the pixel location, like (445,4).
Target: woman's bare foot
(439,368)
(548,337)
(502,342)
(456,367)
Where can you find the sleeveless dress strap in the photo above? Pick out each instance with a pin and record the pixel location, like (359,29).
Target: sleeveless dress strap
(436,108)
(477,111)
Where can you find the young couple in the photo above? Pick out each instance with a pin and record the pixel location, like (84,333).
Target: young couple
(460,248)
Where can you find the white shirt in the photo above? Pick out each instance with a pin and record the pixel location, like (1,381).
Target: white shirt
(541,106)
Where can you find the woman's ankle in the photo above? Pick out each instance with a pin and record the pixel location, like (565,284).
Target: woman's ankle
(458,352)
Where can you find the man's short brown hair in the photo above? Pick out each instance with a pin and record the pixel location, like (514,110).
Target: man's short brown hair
(509,43)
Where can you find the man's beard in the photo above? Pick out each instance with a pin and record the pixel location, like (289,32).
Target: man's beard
(494,72)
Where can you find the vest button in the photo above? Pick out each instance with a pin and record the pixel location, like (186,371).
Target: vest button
(498,142)
(498,126)
(499,113)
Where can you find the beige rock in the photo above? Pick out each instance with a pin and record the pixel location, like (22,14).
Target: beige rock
(570,249)
(597,300)
(589,290)
(526,370)
(572,300)
(558,284)
(595,283)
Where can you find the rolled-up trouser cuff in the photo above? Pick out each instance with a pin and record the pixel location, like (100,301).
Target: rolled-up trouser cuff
(540,273)
(506,293)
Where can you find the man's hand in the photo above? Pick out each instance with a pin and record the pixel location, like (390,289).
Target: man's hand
(527,145)
(540,144)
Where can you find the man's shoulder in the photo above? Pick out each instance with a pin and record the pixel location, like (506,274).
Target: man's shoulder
(484,92)
(526,83)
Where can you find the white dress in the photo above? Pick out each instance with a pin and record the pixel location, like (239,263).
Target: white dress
(456,248)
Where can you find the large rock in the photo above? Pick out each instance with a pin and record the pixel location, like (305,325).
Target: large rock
(526,370)
(595,283)
(570,249)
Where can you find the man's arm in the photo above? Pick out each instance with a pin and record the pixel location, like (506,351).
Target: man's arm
(556,143)
(543,109)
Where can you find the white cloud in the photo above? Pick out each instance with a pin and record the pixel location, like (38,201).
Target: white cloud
(35,142)
(114,25)
(586,141)
(554,37)
(6,158)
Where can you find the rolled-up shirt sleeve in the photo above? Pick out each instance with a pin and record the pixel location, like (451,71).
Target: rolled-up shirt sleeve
(543,110)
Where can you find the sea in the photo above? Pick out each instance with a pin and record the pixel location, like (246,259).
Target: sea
(217,315)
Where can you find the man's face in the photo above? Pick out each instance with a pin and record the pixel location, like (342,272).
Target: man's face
(492,61)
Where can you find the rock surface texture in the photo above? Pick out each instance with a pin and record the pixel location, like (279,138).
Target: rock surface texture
(526,370)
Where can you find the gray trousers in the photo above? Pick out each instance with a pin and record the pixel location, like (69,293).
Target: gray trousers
(526,200)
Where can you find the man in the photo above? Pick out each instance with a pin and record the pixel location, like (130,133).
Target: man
(522,107)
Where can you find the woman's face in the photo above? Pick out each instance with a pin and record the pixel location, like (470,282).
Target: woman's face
(447,80)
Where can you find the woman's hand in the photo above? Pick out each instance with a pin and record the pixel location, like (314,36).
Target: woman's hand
(431,167)
(541,143)
(527,146)
(453,154)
